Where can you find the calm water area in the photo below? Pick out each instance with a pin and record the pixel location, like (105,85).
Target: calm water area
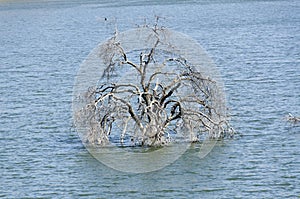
(255,45)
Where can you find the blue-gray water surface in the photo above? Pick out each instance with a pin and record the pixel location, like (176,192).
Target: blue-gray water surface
(256,46)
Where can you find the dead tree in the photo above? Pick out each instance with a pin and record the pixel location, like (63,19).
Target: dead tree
(161,96)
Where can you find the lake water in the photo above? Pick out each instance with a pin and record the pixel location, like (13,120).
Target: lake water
(256,46)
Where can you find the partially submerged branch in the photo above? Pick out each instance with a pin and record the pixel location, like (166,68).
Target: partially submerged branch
(293,119)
